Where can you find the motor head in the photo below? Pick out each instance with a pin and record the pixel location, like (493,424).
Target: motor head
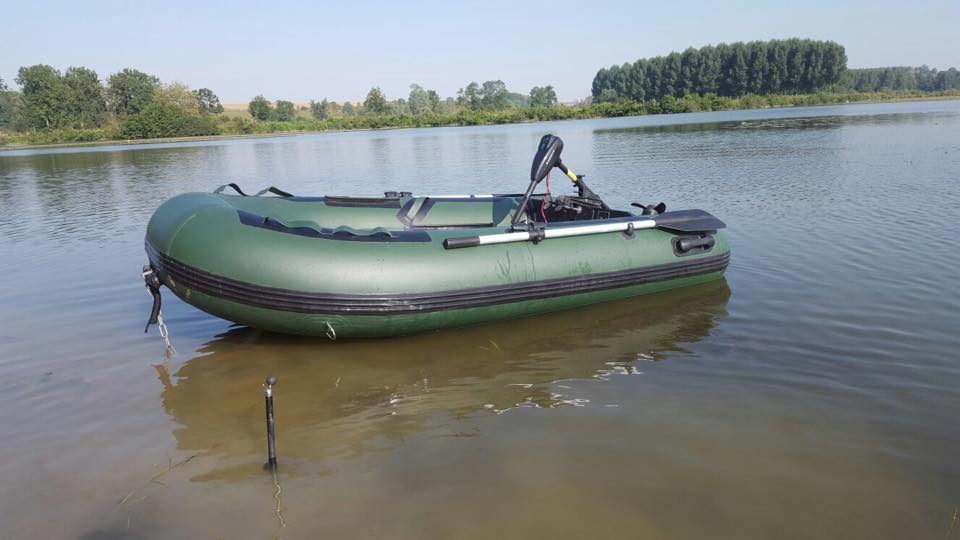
(546,158)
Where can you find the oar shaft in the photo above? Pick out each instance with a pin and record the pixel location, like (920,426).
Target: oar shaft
(504,238)
(563,232)
(559,232)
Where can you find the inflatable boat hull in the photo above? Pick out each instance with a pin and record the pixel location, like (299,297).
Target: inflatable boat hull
(378,267)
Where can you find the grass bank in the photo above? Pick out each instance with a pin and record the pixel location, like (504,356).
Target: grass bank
(227,126)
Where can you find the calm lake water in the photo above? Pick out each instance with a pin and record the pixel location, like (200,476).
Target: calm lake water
(815,393)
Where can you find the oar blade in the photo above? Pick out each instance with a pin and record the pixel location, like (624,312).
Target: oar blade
(689,221)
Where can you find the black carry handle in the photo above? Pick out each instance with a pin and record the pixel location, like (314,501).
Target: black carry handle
(272,189)
(231,185)
(275,190)
(686,245)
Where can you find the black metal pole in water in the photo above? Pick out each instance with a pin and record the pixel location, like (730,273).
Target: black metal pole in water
(271,435)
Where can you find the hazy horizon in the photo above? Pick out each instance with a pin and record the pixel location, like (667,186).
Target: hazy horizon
(303,51)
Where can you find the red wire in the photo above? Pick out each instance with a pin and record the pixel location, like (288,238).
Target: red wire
(543,203)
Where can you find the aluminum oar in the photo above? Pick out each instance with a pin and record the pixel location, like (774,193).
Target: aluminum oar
(684,221)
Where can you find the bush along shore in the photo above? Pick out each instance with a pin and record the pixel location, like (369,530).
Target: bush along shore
(157,126)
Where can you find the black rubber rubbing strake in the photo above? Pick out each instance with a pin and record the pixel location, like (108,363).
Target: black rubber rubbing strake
(357,202)
(185,276)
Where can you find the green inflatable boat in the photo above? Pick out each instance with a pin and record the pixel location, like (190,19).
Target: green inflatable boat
(402,264)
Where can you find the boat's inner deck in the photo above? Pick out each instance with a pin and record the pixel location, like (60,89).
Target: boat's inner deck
(397,212)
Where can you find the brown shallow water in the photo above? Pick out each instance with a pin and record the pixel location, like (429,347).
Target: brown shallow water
(815,393)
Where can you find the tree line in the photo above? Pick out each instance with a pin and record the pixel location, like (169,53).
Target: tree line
(791,66)
(900,78)
(77,106)
(136,104)
(489,96)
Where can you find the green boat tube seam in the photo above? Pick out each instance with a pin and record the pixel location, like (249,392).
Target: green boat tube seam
(400,264)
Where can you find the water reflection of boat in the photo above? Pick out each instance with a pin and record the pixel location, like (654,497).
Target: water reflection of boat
(353,396)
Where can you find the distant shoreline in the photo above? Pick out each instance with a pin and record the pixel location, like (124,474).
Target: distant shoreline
(9,147)
(170,140)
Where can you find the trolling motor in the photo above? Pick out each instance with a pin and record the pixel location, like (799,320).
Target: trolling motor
(546,158)
(588,208)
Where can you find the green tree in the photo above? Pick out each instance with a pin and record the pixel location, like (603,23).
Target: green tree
(43,98)
(645,72)
(434,98)
(947,80)
(208,102)
(655,72)
(86,101)
(609,95)
(260,108)
(8,105)
(517,100)
(398,107)
(812,60)
(708,74)
(165,119)
(334,109)
(543,96)
(349,109)
(284,111)
(419,100)
(732,70)
(375,102)
(900,78)
(470,97)
(776,77)
(638,81)
(320,110)
(493,95)
(672,83)
(795,67)
(178,95)
(601,81)
(737,76)
(757,68)
(689,62)
(129,91)
(620,77)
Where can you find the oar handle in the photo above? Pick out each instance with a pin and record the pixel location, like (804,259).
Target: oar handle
(462,242)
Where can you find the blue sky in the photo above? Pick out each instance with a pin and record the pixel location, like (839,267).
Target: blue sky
(304,50)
